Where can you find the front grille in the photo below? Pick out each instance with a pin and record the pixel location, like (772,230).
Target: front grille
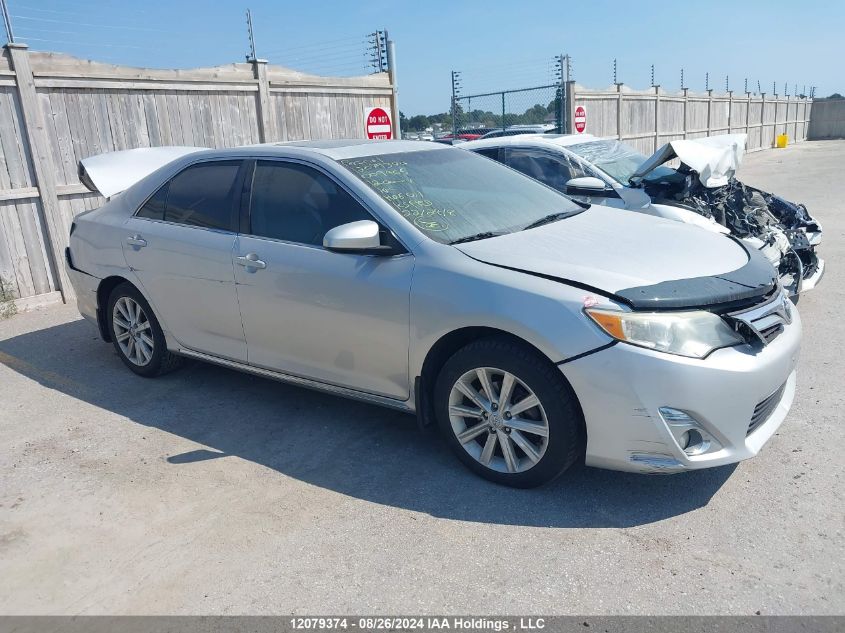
(764,322)
(764,409)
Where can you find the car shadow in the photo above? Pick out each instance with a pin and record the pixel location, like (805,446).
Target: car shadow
(356,449)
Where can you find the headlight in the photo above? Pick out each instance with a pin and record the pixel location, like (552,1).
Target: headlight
(694,334)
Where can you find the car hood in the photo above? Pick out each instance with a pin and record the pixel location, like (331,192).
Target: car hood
(714,158)
(113,172)
(647,261)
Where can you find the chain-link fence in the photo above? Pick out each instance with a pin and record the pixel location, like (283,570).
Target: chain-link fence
(503,113)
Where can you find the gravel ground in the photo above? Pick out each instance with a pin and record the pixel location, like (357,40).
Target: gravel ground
(209,491)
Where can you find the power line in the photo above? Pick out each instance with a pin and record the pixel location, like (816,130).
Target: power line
(95,44)
(98,26)
(322,45)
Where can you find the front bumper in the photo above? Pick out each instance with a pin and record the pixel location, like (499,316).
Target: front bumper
(808,283)
(622,388)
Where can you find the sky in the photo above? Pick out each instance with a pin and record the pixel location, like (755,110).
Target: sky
(495,45)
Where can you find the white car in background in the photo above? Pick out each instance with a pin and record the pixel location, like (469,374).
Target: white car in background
(701,191)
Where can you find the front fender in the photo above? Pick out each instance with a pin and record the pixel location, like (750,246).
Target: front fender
(545,313)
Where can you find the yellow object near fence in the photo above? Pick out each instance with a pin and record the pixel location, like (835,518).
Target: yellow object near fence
(781,140)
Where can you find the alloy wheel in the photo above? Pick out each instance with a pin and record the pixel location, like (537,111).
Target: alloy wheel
(133,331)
(498,420)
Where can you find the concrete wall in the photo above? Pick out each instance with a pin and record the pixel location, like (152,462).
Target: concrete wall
(827,119)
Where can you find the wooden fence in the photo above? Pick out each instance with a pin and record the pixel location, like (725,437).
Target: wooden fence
(647,119)
(56,110)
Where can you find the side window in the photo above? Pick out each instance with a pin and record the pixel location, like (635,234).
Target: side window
(551,170)
(296,203)
(154,207)
(205,195)
(489,152)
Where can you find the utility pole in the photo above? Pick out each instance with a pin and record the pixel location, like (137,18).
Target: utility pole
(391,71)
(10,36)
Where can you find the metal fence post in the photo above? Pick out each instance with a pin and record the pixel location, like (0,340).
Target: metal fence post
(709,110)
(49,213)
(391,72)
(503,110)
(619,110)
(747,113)
(656,117)
(454,108)
(730,108)
(570,106)
(686,111)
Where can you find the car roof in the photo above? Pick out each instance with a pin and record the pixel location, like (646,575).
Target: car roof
(555,140)
(336,149)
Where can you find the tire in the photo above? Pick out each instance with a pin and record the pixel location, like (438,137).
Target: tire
(147,354)
(534,459)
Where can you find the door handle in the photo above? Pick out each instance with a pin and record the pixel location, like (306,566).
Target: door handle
(136,240)
(250,260)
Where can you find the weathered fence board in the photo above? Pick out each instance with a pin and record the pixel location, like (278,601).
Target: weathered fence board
(647,119)
(88,108)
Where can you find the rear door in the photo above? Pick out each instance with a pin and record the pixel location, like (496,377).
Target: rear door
(179,246)
(338,318)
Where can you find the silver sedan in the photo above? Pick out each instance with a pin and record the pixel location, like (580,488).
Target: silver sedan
(537,332)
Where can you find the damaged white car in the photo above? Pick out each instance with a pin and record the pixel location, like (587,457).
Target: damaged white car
(701,191)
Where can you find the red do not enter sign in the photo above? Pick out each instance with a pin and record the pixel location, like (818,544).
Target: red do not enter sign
(378,125)
(580,119)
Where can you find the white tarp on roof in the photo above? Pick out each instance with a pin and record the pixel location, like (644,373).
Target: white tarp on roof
(113,172)
(715,158)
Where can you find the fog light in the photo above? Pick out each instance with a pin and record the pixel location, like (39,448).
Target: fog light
(696,444)
(688,432)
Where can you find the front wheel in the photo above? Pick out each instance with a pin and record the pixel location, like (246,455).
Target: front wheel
(508,413)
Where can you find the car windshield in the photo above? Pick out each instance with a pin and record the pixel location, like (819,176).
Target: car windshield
(452,195)
(616,159)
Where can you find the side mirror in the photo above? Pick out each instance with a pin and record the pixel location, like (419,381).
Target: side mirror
(586,185)
(360,237)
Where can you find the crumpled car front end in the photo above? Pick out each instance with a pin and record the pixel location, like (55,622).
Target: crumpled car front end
(783,231)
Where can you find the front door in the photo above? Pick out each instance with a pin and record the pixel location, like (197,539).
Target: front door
(337,318)
(179,246)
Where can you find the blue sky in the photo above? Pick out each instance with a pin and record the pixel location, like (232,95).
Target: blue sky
(494,44)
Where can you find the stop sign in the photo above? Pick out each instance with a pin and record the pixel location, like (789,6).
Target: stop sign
(377,124)
(580,119)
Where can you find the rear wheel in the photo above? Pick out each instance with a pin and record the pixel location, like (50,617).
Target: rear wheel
(508,413)
(137,335)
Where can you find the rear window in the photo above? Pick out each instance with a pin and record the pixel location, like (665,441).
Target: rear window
(201,195)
